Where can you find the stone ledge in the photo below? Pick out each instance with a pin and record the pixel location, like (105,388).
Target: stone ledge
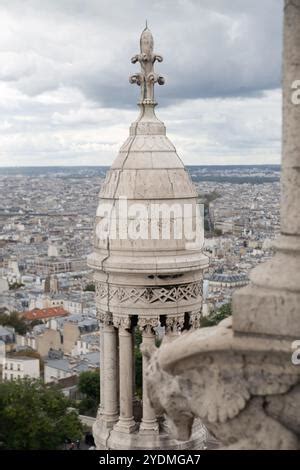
(266,312)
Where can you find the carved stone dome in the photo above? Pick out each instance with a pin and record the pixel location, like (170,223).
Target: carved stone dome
(148,272)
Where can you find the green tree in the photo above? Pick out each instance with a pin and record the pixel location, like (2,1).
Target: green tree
(33,416)
(218,315)
(89,386)
(90,287)
(217,232)
(15,321)
(15,285)
(35,323)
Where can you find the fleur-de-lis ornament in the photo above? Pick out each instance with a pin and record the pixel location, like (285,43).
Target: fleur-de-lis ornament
(146,78)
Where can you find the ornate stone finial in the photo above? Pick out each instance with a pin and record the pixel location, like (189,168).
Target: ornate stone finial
(147,77)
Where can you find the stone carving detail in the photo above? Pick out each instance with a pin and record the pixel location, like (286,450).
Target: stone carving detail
(146,78)
(174,323)
(122,321)
(150,295)
(246,396)
(194,319)
(101,290)
(105,317)
(148,324)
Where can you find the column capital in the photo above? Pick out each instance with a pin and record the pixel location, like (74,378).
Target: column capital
(174,323)
(105,318)
(122,322)
(147,324)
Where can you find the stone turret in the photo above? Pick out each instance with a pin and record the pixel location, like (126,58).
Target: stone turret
(148,266)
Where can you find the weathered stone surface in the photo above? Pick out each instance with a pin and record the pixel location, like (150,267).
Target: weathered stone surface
(242,383)
(272,312)
(226,381)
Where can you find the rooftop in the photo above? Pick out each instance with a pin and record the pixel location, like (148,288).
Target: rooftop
(21,358)
(44,313)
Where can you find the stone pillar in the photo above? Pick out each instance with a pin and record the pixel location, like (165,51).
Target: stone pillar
(271,303)
(101,368)
(290,176)
(110,394)
(149,423)
(126,421)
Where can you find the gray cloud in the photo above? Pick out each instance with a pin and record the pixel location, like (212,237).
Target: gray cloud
(64,64)
(211,48)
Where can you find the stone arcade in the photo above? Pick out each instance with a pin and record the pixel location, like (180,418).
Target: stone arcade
(143,283)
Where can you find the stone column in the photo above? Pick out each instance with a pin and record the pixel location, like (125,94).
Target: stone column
(290,177)
(110,394)
(126,421)
(149,423)
(101,368)
(271,303)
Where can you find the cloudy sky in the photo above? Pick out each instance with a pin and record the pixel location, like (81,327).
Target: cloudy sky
(65,98)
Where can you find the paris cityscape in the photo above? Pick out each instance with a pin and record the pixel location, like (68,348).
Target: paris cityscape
(46,233)
(47,229)
(149,231)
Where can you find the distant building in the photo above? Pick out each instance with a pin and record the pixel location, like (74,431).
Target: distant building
(20,367)
(44,314)
(4,287)
(74,336)
(7,336)
(45,266)
(57,369)
(49,340)
(51,285)
(218,281)
(2,357)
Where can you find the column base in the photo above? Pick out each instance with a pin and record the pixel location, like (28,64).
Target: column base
(109,420)
(101,432)
(126,425)
(100,410)
(149,427)
(117,440)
